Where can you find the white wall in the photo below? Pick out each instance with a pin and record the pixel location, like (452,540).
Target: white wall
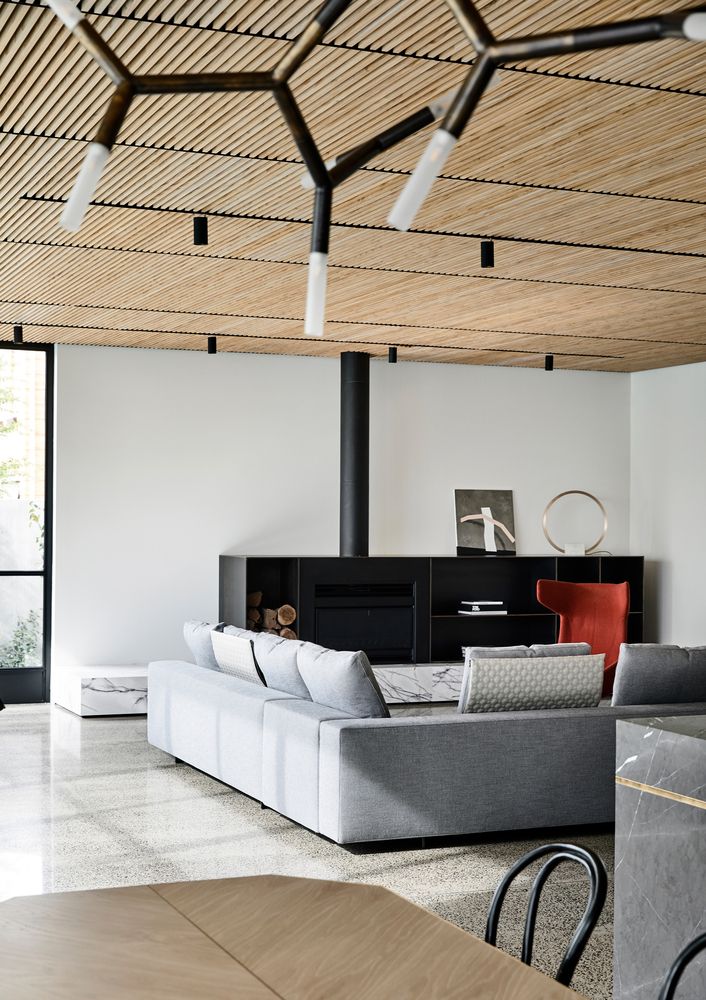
(668,498)
(166,459)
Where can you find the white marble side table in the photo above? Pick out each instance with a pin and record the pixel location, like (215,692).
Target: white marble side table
(101,690)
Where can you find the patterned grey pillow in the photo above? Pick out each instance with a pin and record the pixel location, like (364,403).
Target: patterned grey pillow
(522,684)
(516,652)
(235,656)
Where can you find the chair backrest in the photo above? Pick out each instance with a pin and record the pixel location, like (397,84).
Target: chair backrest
(679,965)
(596,613)
(598,889)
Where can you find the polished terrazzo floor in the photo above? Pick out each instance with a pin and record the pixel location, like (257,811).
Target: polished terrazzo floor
(88,803)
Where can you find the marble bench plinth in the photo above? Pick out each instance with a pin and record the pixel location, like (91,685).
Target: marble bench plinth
(660,853)
(101,690)
(410,683)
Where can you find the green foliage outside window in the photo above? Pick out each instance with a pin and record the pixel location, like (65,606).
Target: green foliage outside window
(20,650)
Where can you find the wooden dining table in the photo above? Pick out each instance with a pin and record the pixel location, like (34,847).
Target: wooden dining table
(253,938)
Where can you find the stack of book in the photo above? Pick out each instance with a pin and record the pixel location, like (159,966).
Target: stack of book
(483,608)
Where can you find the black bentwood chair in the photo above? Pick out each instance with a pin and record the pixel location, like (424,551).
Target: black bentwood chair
(599,888)
(679,965)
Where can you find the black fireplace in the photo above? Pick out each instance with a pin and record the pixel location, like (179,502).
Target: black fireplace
(371,604)
(378,617)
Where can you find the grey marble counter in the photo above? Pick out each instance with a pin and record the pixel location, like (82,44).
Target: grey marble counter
(660,853)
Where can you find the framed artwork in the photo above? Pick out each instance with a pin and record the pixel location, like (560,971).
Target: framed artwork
(485,522)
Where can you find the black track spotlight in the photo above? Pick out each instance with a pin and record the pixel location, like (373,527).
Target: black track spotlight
(17,335)
(487,253)
(549,362)
(200,231)
(392,355)
(212,346)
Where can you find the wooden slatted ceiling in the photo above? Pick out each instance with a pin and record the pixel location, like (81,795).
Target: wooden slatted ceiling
(589,170)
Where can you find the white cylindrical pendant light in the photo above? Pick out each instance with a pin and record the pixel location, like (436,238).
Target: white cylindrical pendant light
(84,186)
(316,295)
(416,189)
(67,12)
(694,26)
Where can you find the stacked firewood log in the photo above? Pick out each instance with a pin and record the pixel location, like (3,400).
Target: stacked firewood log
(278,621)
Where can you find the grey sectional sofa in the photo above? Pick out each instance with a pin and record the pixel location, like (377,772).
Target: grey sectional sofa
(360,780)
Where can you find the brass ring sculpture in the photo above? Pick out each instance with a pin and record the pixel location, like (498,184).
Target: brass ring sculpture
(566,493)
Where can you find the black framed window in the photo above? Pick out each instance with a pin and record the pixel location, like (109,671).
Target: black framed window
(26,479)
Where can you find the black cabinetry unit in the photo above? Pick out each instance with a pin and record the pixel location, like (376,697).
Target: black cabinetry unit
(405,609)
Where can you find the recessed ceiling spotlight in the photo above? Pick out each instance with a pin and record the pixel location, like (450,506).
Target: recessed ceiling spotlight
(549,362)
(17,335)
(487,253)
(200,231)
(211,345)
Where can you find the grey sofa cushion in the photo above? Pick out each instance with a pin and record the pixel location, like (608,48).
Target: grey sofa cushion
(277,659)
(560,649)
(197,636)
(341,680)
(235,656)
(532,683)
(650,674)
(538,649)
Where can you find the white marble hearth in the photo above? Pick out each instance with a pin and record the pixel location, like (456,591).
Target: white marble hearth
(403,683)
(102,690)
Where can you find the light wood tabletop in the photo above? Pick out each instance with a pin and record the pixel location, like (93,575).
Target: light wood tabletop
(250,939)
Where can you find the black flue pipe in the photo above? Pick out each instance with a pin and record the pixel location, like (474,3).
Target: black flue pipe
(355,453)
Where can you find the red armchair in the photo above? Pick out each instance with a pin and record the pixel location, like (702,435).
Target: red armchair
(596,613)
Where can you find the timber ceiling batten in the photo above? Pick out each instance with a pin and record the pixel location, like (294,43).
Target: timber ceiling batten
(323,178)
(606,148)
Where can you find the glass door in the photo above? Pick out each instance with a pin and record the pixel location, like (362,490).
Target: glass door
(26,451)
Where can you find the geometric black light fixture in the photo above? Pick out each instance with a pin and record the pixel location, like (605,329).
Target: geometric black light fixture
(200,231)
(17,335)
(487,253)
(491,53)
(549,362)
(211,345)
(455,108)
(392,355)
(275,81)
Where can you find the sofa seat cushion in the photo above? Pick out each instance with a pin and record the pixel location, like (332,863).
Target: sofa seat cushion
(290,758)
(197,636)
(341,680)
(531,683)
(210,720)
(651,674)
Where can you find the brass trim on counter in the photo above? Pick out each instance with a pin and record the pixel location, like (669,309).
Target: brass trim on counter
(687,800)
